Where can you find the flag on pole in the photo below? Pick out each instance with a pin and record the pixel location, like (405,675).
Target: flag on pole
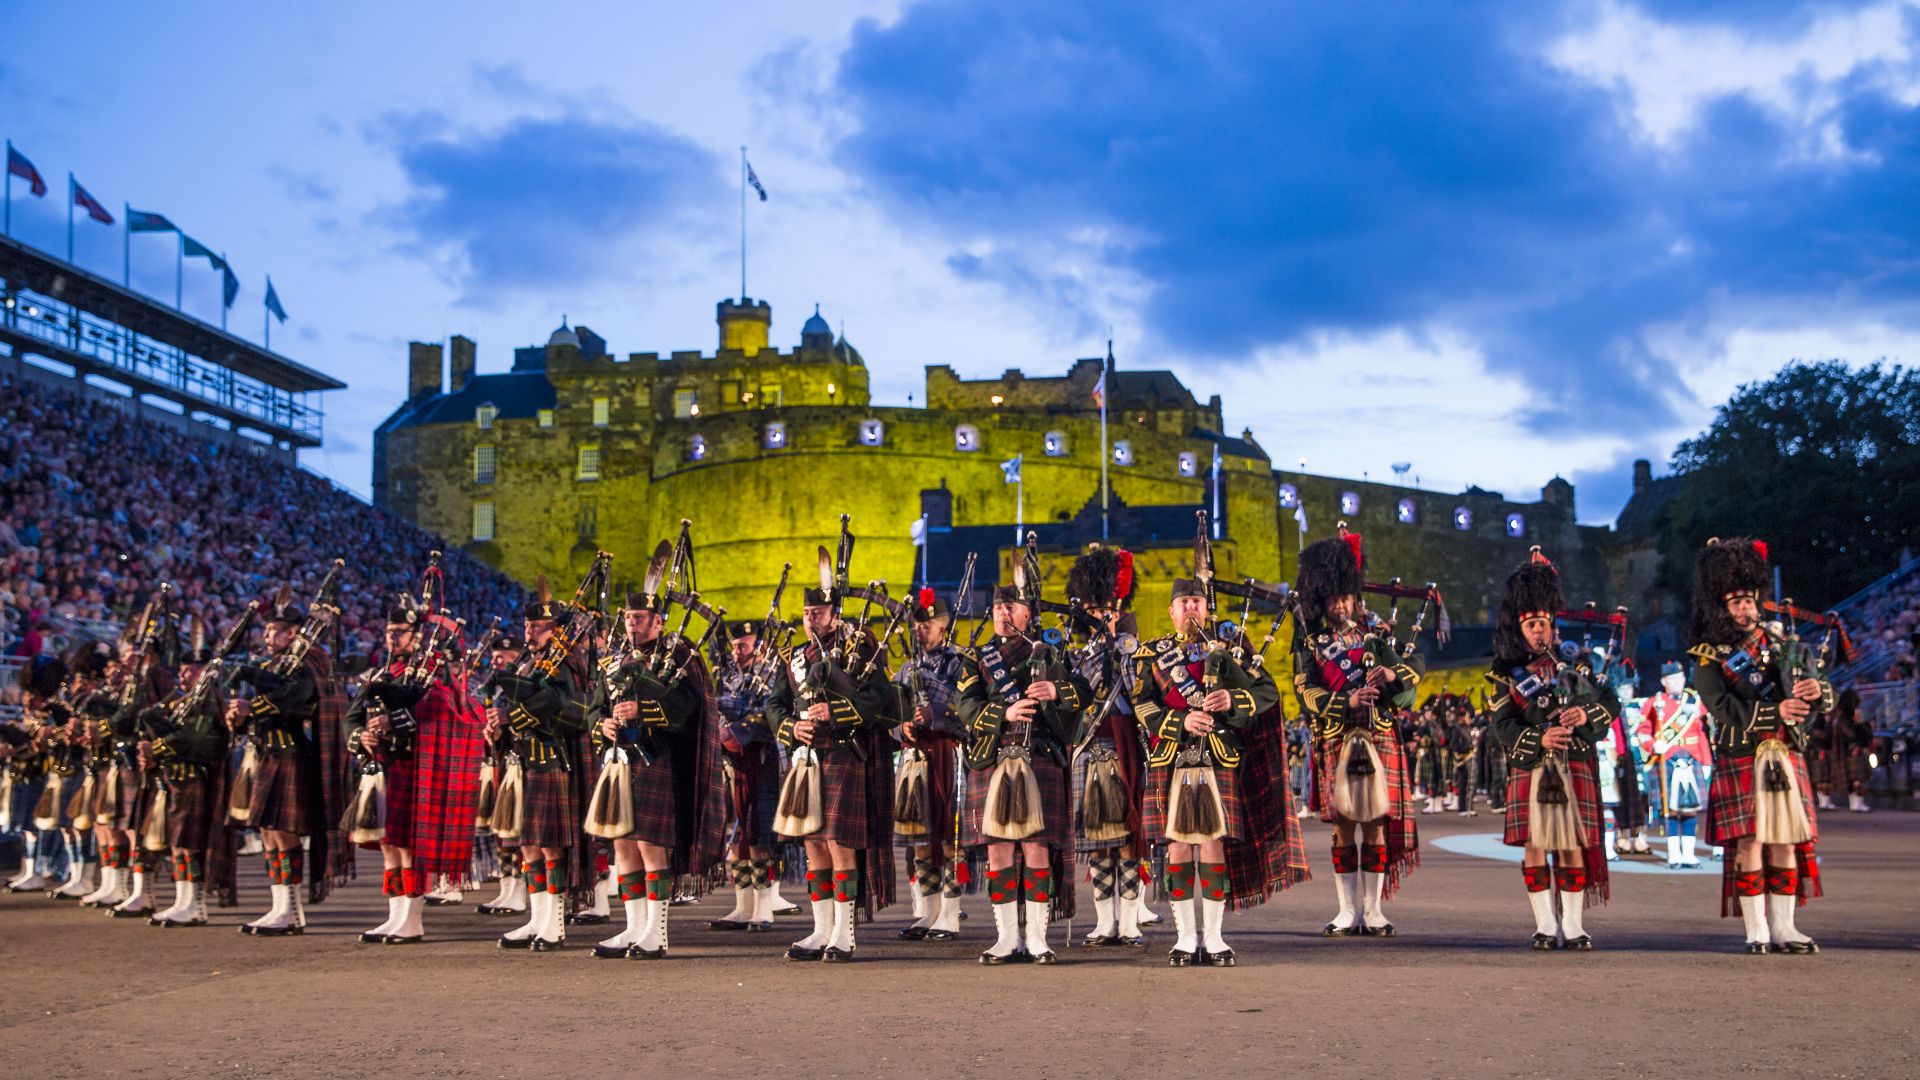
(1100,391)
(1300,515)
(229,284)
(18,165)
(753,180)
(85,201)
(918,531)
(273,302)
(148,221)
(194,249)
(1011,469)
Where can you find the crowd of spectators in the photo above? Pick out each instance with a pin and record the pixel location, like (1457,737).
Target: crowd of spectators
(98,507)
(1886,624)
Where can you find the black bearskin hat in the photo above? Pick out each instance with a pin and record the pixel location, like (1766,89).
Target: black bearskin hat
(1533,588)
(1724,569)
(1328,568)
(1103,577)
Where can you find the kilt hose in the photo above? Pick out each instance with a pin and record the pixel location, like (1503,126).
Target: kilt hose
(1056,806)
(1730,813)
(1583,789)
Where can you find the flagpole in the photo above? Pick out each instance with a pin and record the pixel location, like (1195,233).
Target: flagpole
(1106,391)
(743,225)
(1216,491)
(126,234)
(9,222)
(69,215)
(266,319)
(1019,500)
(225,269)
(179,267)
(926,545)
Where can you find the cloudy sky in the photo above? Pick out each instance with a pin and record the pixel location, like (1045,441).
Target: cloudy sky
(1500,241)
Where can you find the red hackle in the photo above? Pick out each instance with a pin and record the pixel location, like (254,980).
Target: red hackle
(1123,578)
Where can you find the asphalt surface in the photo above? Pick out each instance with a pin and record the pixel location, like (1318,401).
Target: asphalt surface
(1457,994)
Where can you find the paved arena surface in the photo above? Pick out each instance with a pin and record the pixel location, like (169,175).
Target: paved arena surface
(1456,995)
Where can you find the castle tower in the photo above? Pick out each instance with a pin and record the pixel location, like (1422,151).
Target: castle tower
(744,325)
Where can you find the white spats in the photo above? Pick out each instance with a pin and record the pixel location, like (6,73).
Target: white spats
(1006,925)
(1753,912)
(1372,885)
(1186,931)
(1036,935)
(1347,888)
(1212,914)
(1544,921)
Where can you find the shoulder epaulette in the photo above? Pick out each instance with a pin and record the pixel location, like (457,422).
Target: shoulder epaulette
(1704,653)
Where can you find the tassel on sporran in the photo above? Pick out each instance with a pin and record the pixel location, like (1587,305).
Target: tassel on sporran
(1361,793)
(1779,814)
(240,802)
(799,811)
(365,821)
(1013,798)
(1552,824)
(153,831)
(510,804)
(80,810)
(106,798)
(910,805)
(610,810)
(1103,801)
(489,793)
(46,809)
(1198,816)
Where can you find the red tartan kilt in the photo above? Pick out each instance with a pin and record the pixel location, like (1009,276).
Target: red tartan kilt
(1584,790)
(843,797)
(1730,798)
(400,794)
(1326,761)
(1158,804)
(553,817)
(191,813)
(656,819)
(280,798)
(1056,806)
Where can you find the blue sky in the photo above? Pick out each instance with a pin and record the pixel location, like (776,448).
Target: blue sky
(1500,241)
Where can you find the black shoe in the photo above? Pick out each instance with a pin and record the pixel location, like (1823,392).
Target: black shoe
(726,924)
(1181,958)
(368,937)
(1131,942)
(914,933)
(1043,958)
(1105,941)
(1335,930)
(1378,931)
(1223,958)
(586,919)
(836,956)
(505,941)
(1758,948)
(411,939)
(440,901)
(541,944)
(610,952)
(498,912)
(635,952)
(1797,948)
(990,960)
(1583,943)
(274,931)
(130,913)
(759,927)
(1545,942)
(941,935)
(795,952)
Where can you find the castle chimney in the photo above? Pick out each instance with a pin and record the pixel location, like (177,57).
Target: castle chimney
(1642,474)
(461,370)
(423,369)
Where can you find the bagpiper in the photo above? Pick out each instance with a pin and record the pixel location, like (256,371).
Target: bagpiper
(1760,688)
(743,678)
(501,783)
(1350,679)
(188,748)
(1551,714)
(926,785)
(1216,783)
(831,705)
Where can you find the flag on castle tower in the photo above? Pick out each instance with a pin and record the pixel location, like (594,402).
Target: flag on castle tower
(1011,469)
(753,179)
(1100,391)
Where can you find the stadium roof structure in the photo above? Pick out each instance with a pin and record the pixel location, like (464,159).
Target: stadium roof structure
(55,309)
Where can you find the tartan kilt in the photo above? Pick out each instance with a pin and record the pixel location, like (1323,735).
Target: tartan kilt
(279,799)
(193,812)
(69,787)
(1730,799)
(1159,805)
(656,817)
(1056,806)
(117,813)
(1583,788)
(943,762)
(1326,762)
(843,795)
(756,796)
(1078,789)
(25,793)
(400,795)
(552,815)
(1858,770)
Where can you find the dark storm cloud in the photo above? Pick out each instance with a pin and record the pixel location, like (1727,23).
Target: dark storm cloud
(1287,169)
(541,201)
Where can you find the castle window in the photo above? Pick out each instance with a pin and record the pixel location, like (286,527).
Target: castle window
(771,397)
(1123,453)
(1462,518)
(483,416)
(602,411)
(483,464)
(774,436)
(1189,465)
(872,433)
(587,467)
(730,392)
(1289,496)
(1406,512)
(966,437)
(1349,502)
(586,525)
(483,520)
(697,448)
(544,418)
(1516,525)
(683,404)
(1056,444)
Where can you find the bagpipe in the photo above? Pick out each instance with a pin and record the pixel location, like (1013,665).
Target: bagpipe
(799,810)
(1013,803)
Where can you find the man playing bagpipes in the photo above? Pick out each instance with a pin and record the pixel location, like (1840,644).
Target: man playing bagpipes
(186,743)
(1216,784)
(1842,758)
(290,722)
(143,678)
(658,732)
(1350,679)
(832,704)
(742,682)
(50,774)
(1551,713)
(85,698)
(1760,689)
(1109,771)
(1673,729)
(547,702)
(419,752)
(500,785)
(925,795)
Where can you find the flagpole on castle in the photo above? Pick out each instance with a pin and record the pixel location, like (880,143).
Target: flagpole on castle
(743,224)
(126,244)
(69,215)
(266,321)
(9,220)
(1105,368)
